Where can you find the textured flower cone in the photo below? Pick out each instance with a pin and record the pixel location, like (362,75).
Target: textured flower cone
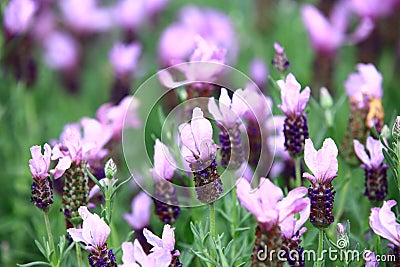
(376,185)
(356,129)
(255,142)
(75,191)
(265,242)
(296,132)
(293,245)
(280,62)
(396,253)
(42,193)
(231,147)
(166,202)
(175,262)
(102,258)
(321,197)
(207,182)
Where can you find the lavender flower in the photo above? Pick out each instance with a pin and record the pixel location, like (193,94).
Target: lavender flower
(293,104)
(61,51)
(373,9)
(140,215)
(165,197)
(370,259)
(163,253)
(227,115)
(94,235)
(383,223)
(258,72)
(277,227)
(42,194)
(324,167)
(375,171)
(129,14)
(280,61)
(327,36)
(215,27)
(18,16)
(200,151)
(116,117)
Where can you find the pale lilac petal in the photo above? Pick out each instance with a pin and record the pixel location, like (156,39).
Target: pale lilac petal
(124,57)
(214,110)
(128,253)
(164,163)
(310,177)
(61,51)
(269,193)
(186,136)
(383,222)
(310,156)
(94,230)
(163,258)
(362,31)
(201,127)
(63,165)
(152,239)
(248,197)
(239,105)
(360,152)
(140,215)
(278,48)
(18,15)
(370,259)
(168,238)
(375,150)
(327,158)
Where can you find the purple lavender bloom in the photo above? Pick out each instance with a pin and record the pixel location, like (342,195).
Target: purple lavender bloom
(61,51)
(227,115)
(200,151)
(165,197)
(293,104)
(280,61)
(324,167)
(116,117)
(373,9)
(328,35)
(370,259)
(94,234)
(18,15)
(277,226)
(124,58)
(383,222)
(258,72)
(375,157)
(85,16)
(140,215)
(364,84)
(42,194)
(215,27)
(129,14)
(132,254)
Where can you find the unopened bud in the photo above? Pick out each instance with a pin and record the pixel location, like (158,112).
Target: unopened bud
(325,100)
(385,132)
(341,229)
(396,129)
(110,169)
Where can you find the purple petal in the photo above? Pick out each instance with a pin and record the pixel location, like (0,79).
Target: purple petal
(168,238)
(152,239)
(128,255)
(375,150)
(140,216)
(360,152)
(63,165)
(383,222)
(164,163)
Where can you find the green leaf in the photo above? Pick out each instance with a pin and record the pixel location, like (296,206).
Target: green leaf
(41,249)
(94,179)
(121,184)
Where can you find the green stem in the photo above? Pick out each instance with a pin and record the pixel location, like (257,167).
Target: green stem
(212,220)
(78,254)
(234,225)
(297,166)
(320,247)
(50,236)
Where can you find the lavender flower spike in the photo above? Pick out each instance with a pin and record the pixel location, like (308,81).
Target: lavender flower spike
(94,234)
(293,104)
(324,167)
(165,197)
(42,194)
(277,226)
(383,223)
(140,216)
(280,61)
(200,151)
(227,114)
(376,186)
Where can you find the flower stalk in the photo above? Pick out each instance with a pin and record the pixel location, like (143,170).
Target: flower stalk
(320,246)
(50,237)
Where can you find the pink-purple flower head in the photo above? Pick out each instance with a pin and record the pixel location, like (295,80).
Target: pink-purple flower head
(164,163)
(258,72)
(373,9)
(125,114)
(160,255)
(278,48)
(18,15)
(129,14)
(40,164)
(61,51)
(328,35)
(375,157)
(323,163)
(258,105)
(366,83)
(383,222)
(228,112)
(124,58)
(293,101)
(267,205)
(215,27)
(370,259)
(196,137)
(85,16)
(140,215)
(94,232)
